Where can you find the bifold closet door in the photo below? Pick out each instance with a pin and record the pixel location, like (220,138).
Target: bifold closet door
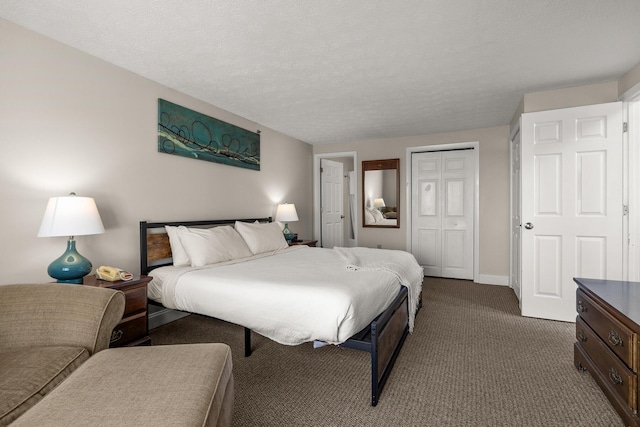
(442,196)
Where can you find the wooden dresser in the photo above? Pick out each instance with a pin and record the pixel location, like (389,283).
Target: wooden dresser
(133,329)
(607,329)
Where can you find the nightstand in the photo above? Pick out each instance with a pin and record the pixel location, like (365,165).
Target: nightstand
(133,329)
(311,243)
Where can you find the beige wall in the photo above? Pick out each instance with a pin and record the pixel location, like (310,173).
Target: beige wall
(494,190)
(577,96)
(515,121)
(571,97)
(71,122)
(629,80)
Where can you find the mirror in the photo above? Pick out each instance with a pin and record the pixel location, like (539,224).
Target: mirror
(381,193)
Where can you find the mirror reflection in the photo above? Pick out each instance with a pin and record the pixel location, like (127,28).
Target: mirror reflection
(381,193)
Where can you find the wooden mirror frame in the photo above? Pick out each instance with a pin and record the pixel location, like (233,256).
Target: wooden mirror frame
(373,165)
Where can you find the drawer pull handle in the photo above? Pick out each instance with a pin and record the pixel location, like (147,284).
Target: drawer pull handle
(581,308)
(614,376)
(116,335)
(614,338)
(581,336)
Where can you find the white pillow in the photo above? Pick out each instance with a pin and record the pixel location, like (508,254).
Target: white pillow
(377,215)
(179,255)
(260,238)
(368,218)
(233,241)
(212,245)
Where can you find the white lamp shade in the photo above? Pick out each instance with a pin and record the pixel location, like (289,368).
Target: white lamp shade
(286,212)
(71,216)
(379,203)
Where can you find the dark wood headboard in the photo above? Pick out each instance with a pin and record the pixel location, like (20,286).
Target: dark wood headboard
(155,250)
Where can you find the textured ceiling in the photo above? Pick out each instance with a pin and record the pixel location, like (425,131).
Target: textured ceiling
(336,71)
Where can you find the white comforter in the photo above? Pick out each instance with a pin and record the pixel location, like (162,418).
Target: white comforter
(293,296)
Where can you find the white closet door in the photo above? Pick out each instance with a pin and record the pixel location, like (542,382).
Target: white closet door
(442,212)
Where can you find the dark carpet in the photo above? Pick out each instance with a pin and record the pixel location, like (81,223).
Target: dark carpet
(471,361)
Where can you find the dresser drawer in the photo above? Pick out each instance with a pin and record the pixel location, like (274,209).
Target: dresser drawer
(128,330)
(618,337)
(612,371)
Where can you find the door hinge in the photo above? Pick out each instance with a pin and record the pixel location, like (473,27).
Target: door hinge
(321,170)
(625,210)
(625,127)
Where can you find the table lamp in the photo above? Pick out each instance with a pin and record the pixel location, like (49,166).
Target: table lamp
(70,216)
(286,213)
(379,203)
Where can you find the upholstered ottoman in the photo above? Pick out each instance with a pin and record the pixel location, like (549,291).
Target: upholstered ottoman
(173,385)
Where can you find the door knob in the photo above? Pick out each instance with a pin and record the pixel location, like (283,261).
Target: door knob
(528,226)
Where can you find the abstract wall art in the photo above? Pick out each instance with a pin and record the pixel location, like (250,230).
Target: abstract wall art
(187,133)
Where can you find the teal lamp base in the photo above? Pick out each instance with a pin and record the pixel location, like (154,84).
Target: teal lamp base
(288,234)
(71,267)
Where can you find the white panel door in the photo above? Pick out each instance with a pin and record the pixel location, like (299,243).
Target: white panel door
(516,229)
(332,206)
(442,212)
(426,212)
(572,214)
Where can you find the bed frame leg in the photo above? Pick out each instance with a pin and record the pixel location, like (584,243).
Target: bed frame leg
(375,385)
(247,342)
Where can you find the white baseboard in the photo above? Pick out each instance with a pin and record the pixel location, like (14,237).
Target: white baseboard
(487,279)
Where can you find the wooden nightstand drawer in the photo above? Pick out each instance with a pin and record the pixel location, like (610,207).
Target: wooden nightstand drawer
(129,330)
(620,339)
(132,329)
(617,377)
(136,300)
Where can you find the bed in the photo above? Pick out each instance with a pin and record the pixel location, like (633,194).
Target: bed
(360,298)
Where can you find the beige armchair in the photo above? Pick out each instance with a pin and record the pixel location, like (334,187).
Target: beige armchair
(46,332)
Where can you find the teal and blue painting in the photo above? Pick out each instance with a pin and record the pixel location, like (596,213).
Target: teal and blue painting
(187,133)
